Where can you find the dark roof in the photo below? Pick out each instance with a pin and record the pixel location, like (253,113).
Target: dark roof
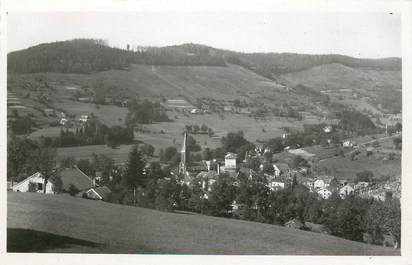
(282,166)
(74,176)
(103,191)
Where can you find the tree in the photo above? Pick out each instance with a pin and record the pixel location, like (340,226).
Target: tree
(196,129)
(221,196)
(299,161)
(397,142)
(147,149)
(275,145)
(87,167)
(19,152)
(134,176)
(44,160)
(232,141)
(204,128)
(67,162)
(192,145)
(364,176)
(168,153)
(207,154)
(398,126)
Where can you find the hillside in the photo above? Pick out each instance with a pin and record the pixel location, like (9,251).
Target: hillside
(377,87)
(60,223)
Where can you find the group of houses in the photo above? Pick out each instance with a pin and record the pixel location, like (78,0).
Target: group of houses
(71,180)
(207,172)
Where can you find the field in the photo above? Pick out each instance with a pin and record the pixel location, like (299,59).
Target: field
(253,129)
(118,154)
(60,223)
(344,168)
(108,114)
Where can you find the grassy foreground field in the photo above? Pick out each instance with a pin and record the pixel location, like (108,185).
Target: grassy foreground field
(60,223)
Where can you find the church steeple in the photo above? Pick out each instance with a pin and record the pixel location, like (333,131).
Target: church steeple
(182,165)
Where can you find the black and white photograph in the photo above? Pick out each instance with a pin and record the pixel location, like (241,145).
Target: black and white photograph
(204,133)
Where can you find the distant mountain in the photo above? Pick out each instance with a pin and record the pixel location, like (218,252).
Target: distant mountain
(87,55)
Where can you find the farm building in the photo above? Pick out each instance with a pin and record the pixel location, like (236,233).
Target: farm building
(98,193)
(76,178)
(34,183)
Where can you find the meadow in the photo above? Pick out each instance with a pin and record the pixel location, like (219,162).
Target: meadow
(61,223)
(345,168)
(118,154)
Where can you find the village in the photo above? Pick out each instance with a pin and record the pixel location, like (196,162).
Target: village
(257,163)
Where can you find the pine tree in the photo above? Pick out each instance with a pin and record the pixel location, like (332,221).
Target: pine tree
(134,176)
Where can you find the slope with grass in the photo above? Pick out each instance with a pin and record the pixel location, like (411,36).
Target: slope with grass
(374,86)
(60,223)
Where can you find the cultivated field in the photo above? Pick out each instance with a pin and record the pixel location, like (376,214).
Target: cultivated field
(60,223)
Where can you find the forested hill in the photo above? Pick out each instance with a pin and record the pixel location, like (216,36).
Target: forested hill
(87,55)
(76,56)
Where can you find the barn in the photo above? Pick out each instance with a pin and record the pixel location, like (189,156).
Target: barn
(34,183)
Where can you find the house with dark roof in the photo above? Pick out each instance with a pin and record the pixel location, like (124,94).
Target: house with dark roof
(76,178)
(295,223)
(98,193)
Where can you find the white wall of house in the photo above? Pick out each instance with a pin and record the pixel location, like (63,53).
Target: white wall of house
(324,193)
(230,163)
(38,180)
(345,191)
(319,184)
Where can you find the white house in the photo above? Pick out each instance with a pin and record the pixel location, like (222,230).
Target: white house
(84,118)
(327,129)
(63,121)
(319,184)
(347,143)
(276,170)
(195,111)
(361,185)
(276,185)
(230,161)
(324,193)
(34,183)
(345,191)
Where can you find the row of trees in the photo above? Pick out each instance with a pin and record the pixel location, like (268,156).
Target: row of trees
(93,133)
(196,129)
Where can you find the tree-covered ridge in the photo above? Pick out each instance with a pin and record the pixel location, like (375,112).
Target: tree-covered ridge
(88,55)
(76,56)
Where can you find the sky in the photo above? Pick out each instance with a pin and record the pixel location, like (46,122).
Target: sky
(361,34)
